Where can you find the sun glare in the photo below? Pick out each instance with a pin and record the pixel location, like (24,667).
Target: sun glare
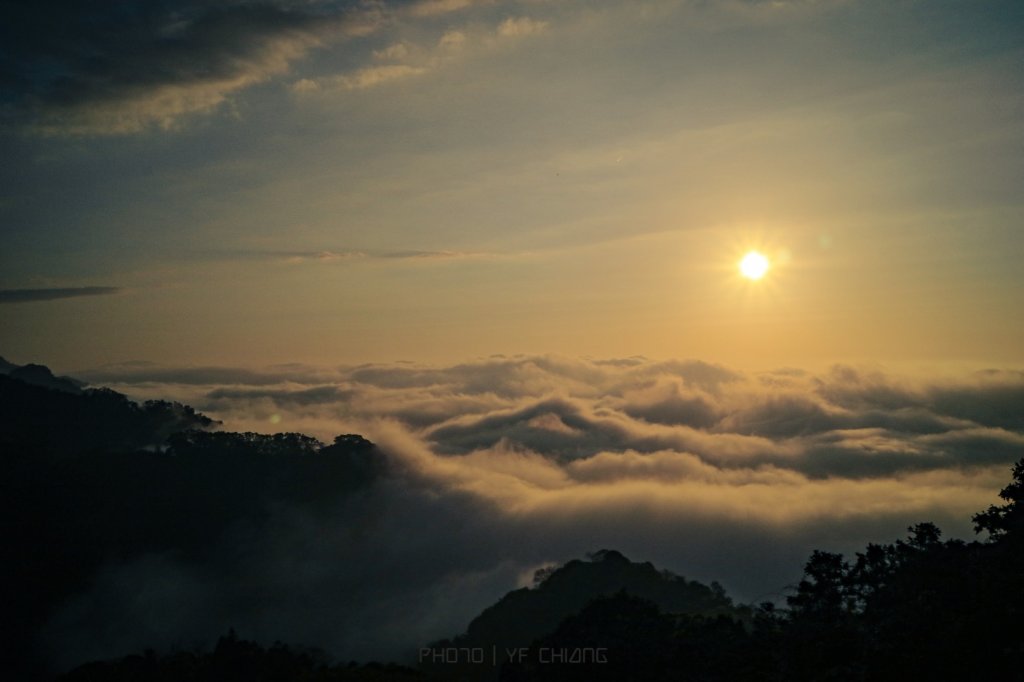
(754,265)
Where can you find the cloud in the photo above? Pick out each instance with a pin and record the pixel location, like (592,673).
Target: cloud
(72,69)
(342,256)
(502,464)
(429,8)
(844,423)
(406,59)
(372,76)
(76,70)
(520,26)
(32,295)
(396,51)
(82,70)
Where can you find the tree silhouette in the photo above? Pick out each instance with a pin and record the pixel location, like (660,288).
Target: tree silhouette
(1005,520)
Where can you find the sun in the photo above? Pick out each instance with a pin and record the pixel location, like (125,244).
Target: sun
(754,265)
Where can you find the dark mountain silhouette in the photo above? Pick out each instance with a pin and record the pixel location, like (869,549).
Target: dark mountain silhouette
(40,375)
(527,614)
(65,423)
(920,608)
(92,477)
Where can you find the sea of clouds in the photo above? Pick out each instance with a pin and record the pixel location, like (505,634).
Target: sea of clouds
(503,465)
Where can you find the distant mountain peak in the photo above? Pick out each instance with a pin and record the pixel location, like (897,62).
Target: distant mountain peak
(608,555)
(526,614)
(40,375)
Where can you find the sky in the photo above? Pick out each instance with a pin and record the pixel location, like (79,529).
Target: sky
(324,181)
(500,239)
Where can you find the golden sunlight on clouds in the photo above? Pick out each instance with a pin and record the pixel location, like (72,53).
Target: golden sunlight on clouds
(536,438)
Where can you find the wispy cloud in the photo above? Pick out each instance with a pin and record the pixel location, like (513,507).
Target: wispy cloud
(430,8)
(32,295)
(520,26)
(342,256)
(406,59)
(371,76)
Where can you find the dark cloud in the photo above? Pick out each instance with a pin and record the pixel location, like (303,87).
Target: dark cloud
(32,295)
(118,67)
(676,409)
(283,397)
(1000,403)
(990,398)
(557,428)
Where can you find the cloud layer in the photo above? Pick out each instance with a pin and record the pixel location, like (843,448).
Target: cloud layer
(848,422)
(126,67)
(31,295)
(505,464)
